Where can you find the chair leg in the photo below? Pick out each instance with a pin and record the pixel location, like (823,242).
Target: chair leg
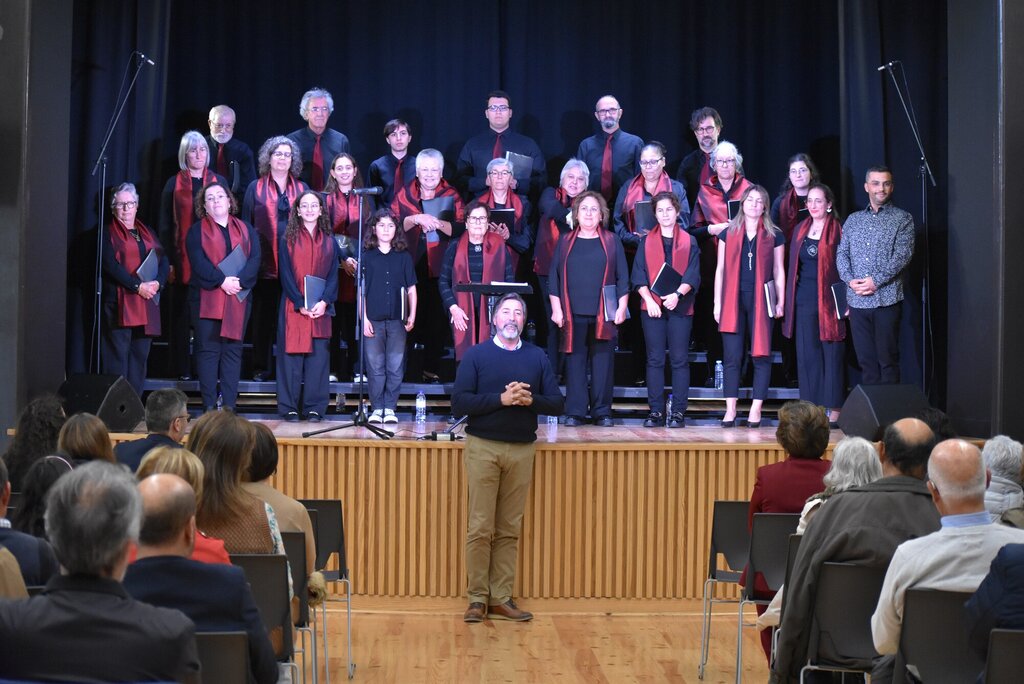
(705,636)
(306,650)
(327,654)
(739,643)
(348,614)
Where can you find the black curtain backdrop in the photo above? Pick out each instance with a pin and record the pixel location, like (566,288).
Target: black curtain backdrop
(786,77)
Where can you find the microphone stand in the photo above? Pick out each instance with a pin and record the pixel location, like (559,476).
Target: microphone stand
(925,175)
(101,164)
(359,419)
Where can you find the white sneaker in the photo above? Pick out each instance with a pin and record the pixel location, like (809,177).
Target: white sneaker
(359,377)
(389,416)
(376,417)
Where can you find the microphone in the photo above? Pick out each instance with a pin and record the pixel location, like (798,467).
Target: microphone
(375,190)
(460,421)
(145,59)
(888,65)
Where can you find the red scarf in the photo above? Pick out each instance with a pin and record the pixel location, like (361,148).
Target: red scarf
(310,256)
(635,193)
(406,203)
(713,202)
(761,335)
(133,310)
(339,208)
(185,216)
(495,254)
(516,205)
(547,236)
(654,254)
(264,218)
(830,328)
(789,209)
(215,304)
(605,329)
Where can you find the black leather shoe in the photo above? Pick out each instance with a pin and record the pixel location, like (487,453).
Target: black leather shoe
(654,419)
(604,421)
(677,420)
(729,423)
(292,417)
(753,423)
(261,376)
(314,417)
(573,421)
(185,378)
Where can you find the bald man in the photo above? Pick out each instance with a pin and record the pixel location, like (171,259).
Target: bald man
(215,596)
(863,525)
(957,556)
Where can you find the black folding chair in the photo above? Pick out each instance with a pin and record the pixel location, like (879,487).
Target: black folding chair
(224,657)
(794,548)
(841,625)
(295,549)
(1005,656)
(729,537)
(933,640)
(769,547)
(268,578)
(330,540)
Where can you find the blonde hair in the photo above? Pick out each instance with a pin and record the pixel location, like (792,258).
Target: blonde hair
(173,461)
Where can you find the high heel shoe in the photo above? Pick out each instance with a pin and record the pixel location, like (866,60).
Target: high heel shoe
(729,423)
(754,423)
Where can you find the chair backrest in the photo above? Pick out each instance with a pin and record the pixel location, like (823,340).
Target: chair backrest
(933,640)
(793,549)
(844,602)
(1005,656)
(224,657)
(769,548)
(729,537)
(268,578)
(295,549)
(330,532)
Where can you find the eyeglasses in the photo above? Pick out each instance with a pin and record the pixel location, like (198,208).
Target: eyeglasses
(125,205)
(726,162)
(320,110)
(496,109)
(706,130)
(282,155)
(608,112)
(185,417)
(500,174)
(799,172)
(648,163)
(308,207)
(222,126)
(476,219)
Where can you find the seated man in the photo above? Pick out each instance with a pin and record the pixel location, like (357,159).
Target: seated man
(34,555)
(166,420)
(84,624)
(1004,498)
(862,525)
(999,601)
(216,597)
(957,556)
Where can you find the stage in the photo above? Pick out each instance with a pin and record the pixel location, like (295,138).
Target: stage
(619,513)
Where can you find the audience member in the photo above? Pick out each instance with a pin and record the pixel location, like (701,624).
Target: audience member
(217,598)
(862,525)
(186,465)
(954,558)
(84,438)
(30,514)
(1004,498)
(166,420)
(85,625)
(12,586)
(938,421)
(34,556)
(34,437)
(999,601)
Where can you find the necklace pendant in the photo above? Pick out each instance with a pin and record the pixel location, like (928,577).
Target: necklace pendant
(750,261)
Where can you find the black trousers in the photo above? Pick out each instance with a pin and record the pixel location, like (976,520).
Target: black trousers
(266,298)
(217,360)
(302,379)
(597,355)
(820,372)
(735,346)
(179,328)
(876,339)
(124,351)
(671,332)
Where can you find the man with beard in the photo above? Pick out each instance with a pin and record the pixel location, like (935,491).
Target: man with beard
(695,169)
(317,143)
(502,384)
(229,156)
(613,155)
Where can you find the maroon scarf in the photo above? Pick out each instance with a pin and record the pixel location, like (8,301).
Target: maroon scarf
(761,335)
(310,255)
(343,211)
(547,236)
(406,203)
(635,193)
(495,254)
(133,310)
(605,329)
(185,216)
(215,304)
(516,205)
(264,218)
(789,209)
(830,328)
(654,254)
(713,202)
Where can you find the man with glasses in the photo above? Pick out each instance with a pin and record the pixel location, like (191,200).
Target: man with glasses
(613,155)
(695,170)
(229,156)
(317,143)
(498,141)
(166,420)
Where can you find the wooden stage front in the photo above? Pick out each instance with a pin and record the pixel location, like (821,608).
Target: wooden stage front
(613,513)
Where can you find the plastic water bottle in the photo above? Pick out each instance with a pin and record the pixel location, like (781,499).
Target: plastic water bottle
(668,405)
(552,420)
(719,375)
(421,407)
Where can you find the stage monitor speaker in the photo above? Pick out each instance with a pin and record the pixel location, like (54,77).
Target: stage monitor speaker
(869,408)
(109,397)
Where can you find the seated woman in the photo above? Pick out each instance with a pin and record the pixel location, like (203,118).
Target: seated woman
(187,466)
(34,437)
(29,515)
(85,438)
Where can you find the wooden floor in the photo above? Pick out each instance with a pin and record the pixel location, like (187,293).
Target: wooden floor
(568,641)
